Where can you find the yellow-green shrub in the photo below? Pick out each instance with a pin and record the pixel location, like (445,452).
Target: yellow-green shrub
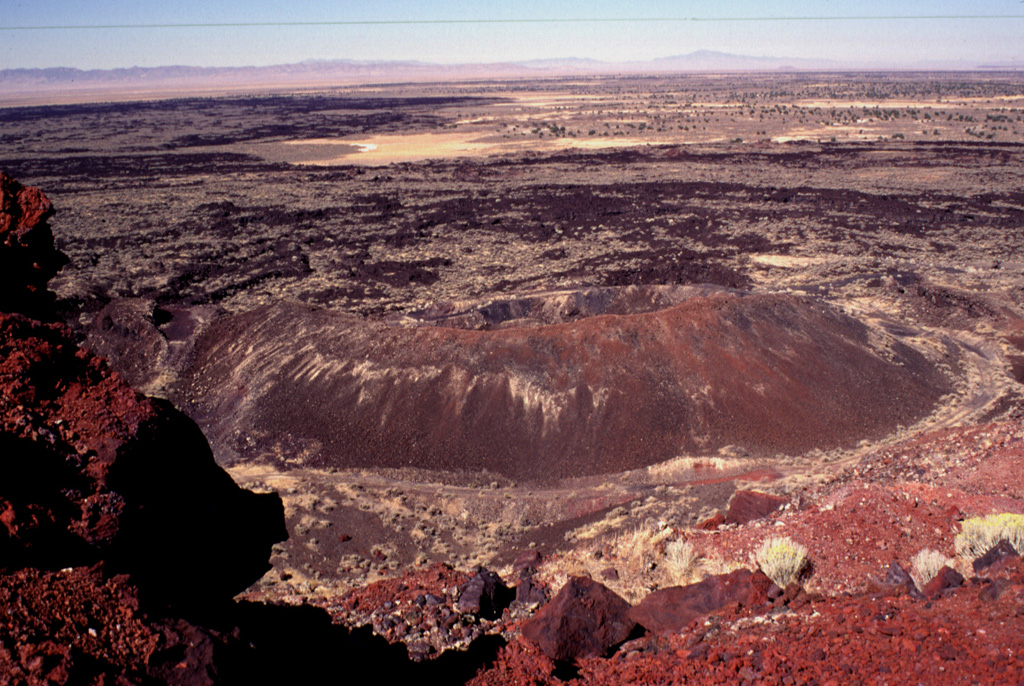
(978,534)
(781,560)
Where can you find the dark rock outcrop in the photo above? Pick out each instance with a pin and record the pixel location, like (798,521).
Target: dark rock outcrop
(585,619)
(672,609)
(897,581)
(484,595)
(945,579)
(115,521)
(28,258)
(93,472)
(529,592)
(996,553)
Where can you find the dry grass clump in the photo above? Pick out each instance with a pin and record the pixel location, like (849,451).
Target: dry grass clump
(781,560)
(680,562)
(647,558)
(979,534)
(926,564)
(637,550)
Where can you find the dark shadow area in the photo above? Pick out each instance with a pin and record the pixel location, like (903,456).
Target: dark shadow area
(300,645)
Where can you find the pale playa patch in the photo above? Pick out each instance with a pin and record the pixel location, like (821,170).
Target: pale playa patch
(415,147)
(788,261)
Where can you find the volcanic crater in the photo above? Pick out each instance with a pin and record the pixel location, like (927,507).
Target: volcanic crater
(555,385)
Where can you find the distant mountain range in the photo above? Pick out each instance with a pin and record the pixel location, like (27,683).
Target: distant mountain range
(325,72)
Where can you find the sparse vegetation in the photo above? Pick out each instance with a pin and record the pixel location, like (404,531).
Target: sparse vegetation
(979,534)
(926,564)
(680,562)
(781,559)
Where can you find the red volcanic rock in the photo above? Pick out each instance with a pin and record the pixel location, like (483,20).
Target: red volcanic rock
(964,636)
(76,627)
(527,563)
(28,258)
(713,522)
(90,470)
(746,506)
(946,579)
(772,373)
(672,609)
(585,619)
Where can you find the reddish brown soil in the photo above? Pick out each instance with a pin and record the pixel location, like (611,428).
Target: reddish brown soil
(968,636)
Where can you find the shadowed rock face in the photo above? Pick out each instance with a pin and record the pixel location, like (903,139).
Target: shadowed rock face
(696,370)
(28,258)
(90,470)
(585,619)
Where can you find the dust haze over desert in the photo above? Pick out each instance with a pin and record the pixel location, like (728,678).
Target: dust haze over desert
(512,364)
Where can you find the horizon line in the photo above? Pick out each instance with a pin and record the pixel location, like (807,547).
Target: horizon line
(584,20)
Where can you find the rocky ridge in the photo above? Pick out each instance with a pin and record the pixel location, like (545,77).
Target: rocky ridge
(113,511)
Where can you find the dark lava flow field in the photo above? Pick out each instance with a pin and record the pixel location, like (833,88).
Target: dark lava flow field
(897,202)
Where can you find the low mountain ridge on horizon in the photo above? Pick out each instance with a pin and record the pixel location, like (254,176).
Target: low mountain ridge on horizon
(34,79)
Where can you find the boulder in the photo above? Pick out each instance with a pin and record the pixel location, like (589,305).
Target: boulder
(713,522)
(746,506)
(527,563)
(585,619)
(946,579)
(484,595)
(529,592)
(996,553)
(897,581)
(672,609)
(28,258)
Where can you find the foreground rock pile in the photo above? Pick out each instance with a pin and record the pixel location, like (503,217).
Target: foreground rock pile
(970,635)
(114,519)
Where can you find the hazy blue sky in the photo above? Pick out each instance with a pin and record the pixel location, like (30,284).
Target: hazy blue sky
(996,34)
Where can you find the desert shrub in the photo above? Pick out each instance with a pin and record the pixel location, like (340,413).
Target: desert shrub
(926,564)
(680,562)
(781,559)
(637,550)
(979,534)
